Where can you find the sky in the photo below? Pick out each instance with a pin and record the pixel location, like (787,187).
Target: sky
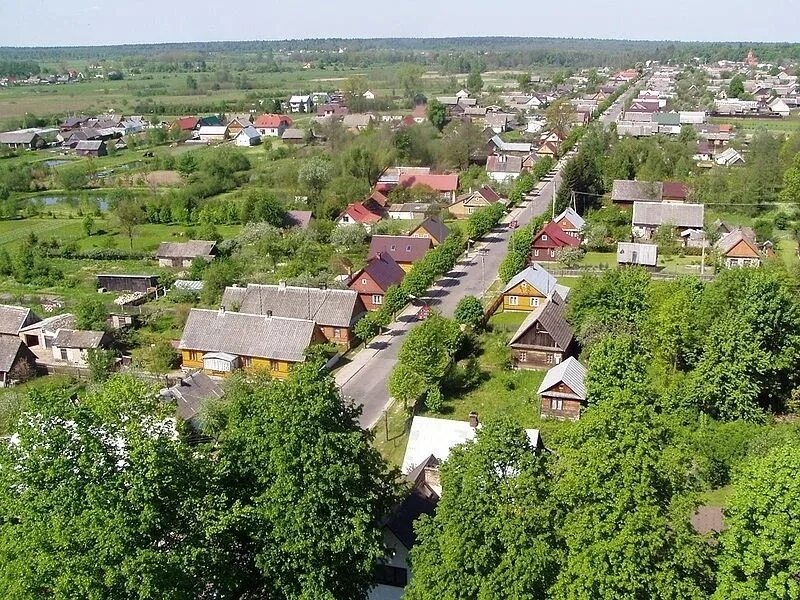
(100,22)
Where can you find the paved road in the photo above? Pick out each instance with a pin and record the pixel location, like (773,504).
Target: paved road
(365,379)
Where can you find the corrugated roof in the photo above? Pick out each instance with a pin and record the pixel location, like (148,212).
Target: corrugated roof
(242,334)
(571,216)
(192,392)
(663,213)
(189,249)
(626,190)
(54,323)
(9,348)
(539,278)
(729,241)
(331,307)
(17,137)
(187,284)
(504,146)
(557,235)
(78,338)
(503,164)
(630,253)
(440,182)
(551,316)
(571,372)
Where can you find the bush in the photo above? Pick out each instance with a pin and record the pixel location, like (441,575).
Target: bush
(469,311)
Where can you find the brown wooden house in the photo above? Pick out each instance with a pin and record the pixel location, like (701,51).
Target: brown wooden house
(433,229)
(545,338)
(563,391)
(372,282)
(549,241)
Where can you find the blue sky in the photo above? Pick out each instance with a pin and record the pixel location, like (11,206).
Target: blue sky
(93,22)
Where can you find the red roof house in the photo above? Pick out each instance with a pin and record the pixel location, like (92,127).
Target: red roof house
(674,191)
(357,212)
(548,240)
(272,125)
(372,282)
(187,123)
(404,250)
(445,184)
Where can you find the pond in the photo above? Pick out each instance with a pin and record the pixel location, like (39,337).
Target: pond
(102,203)
(54,163)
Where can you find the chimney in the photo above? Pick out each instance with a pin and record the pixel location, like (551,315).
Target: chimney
(378,256)
(269,314)
(221,310)
(473,419)
(282,285)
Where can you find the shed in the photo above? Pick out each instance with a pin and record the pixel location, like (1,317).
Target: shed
(127,283)
(563,390)
(631,253)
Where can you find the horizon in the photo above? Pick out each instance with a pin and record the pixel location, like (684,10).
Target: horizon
(76,23)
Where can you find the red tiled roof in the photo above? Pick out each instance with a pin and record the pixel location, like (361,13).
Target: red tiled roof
(489,194)
(674,189)
(272,121)
(377,197)
(439,182)
(558,235)
(186,123)
(360,213)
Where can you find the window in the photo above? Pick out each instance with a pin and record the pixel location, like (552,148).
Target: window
(392,247)
(64,355)
(393,576)
(273,365)
(534,301)
(470,210)
(513,300)
(544,237)
(337,332)
(548,359)
(523,356)
(556,358)
(194,355)
(377,299)
(536,253)
(246,361)
(556,404)
(408,248)
(552,253)
(363,282)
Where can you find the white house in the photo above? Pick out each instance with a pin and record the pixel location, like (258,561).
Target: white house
(212,133)
(779,106)
(301,104)
(729,157)
(501,167)
(73,345)
(248,136)
(368,95)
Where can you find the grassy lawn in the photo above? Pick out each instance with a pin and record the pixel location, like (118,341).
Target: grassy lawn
(788,124)
(718,497)
(506,320)
(679,265)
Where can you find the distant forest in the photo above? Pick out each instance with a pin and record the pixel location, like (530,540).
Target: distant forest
(450,54)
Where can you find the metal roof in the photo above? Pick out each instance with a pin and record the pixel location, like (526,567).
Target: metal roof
(9,349)
(551,316)
(401,248)
(662,213)
(626,190)
(540,279)
(189,249)
(276,338)
(571,372)
(630,253)
(573,217)
(330,307)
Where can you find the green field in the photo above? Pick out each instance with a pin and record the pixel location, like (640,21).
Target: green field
(787,125)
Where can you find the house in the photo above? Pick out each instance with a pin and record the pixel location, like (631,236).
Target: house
(91,148)
(550,239)
(237,125)
(625,191)
(544,338)
(674,191)
(368,95)
(649,216)
(15,318)
(357,122)
(738,249)
(437,437)
(191,393)
(631,253)
(301,104)
(209,121)
(372,282)
(376,202)
(127,283)
(530,288)
(331,111)
(729,158)
(411,211)
(73,345)
(292,135)
(181,254)
(42,333)
(334,311)
(433,229)
(548,149)
(298,218)
(570,222)
(212,133)
(247,137)
(468,203)
(404,250)
(27,139)
(562,392)
(444,184)
(501,167)
(497,122)
(497,145)
(272,125)
(779,106)
(358,213)
(17,363)
(221,341)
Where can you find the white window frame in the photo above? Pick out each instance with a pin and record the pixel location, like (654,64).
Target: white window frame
(548,359)
(377,299)
(513,300)
(363,281)
(556,404)
(544,237)
(523,356)
(536,252)
(534,301)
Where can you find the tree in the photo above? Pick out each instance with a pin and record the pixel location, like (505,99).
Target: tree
(74,177)
(88,225)
(791,183)
(437,114)
(99,499)
(560,114)
(621,482)
(569,257)
(469,311)
(349,237)
(367,327)
(130,214)
(736,87)
(91,313)
(475,82)
(293,456)
(616,363)
(219,274)
(429,348)
(524,82)
(159,357)
(758,552)
(406,385)
(493,534)
(100,362)
(314,175)
(365,162)
(409,75)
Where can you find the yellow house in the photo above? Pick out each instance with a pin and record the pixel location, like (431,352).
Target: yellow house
(220,342)
(529,289)
(432,229)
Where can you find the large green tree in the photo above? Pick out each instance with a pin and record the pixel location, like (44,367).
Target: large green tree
(493,532)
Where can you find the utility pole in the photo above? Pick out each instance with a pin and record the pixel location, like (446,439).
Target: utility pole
(703,254)
(483,271)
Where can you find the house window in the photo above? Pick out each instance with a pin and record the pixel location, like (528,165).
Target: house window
(408,248)
(392,576)
(246,361)
(392,247)
(534,301)
(556,358)
(544,237)
(513,300)
(523,356)
(552,253)
(536,253)
(337,332)
(377,299)
(556,404)
(64,355)
(548,359)
(273,365)
(194,355)
(470,210)
(363,282)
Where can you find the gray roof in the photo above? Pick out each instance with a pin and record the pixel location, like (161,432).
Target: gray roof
(189,249)
(630,253)
(89,145)
(78,338)
(435,227)
(571,372)
(54,323)
(504,146)
(9,349)
(192,391)
(18,137)
(626,190)
(539,278)
(251,132)
(292,133)
(298,218)
(334,308)
(12,318)
(572,216)
(662,213)
(188,284)
(243,334)
(551,316)
(503,164)
(357,120)
(730,240)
